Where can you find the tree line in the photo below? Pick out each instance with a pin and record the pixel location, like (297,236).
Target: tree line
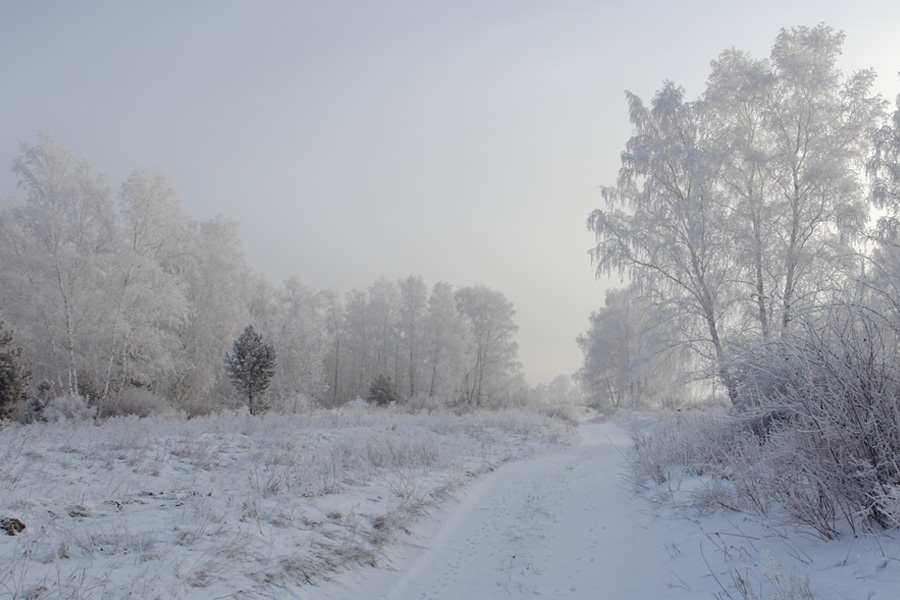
(125,301)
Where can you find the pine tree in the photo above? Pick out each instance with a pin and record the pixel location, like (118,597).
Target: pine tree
(381,392)
(251,366)
(13,379)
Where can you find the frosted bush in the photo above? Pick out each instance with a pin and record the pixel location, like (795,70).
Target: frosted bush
(134,401)
(888,500)
(72,408)
(833,387)
(817,433)
(666,450)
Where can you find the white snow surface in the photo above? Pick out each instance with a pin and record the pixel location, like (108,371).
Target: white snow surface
(563,525)
(230,505)
(365,505)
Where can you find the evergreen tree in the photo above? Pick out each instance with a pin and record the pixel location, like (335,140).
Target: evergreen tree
(250,365)
(12,378)
(381,392)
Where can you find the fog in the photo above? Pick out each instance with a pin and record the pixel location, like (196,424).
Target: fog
(461,141)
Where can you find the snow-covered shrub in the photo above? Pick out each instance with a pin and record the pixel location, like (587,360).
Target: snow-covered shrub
(34,408)
(293,403)
(426,403)
(831,392)
(133,401)
(357,404)
(666,450)
(566,413)
(71,408)
(743,475)
(715,446)
(817,433)
(888,499)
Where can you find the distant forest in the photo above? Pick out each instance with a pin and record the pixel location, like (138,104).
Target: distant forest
(121,299)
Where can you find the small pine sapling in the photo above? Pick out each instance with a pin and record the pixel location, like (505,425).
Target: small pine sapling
(251,366)
(381,392)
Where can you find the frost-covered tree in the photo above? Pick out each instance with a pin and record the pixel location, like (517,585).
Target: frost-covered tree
(447,343)
(794,134)
(453,346)
(251,366)
(149,302)
(494,361)
(884,164)
(292,318)
(358,370)
(216,279)
(734,105)
(630,357)
(371,336)
(738,209)
(333,311)
(413,313)
(13,379)
(57,248)
(561,392)
(383,310)
(666,226)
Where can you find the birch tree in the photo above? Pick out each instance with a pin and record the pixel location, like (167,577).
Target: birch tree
(66,231)
(150,303)
(446,346)
(292,319)
(216,279)
(334,317)
(359,370)
(383,309)
(734,105)
(413,312)
(820,124)
(749,201)
(490,317)
(666,226)
(630,356)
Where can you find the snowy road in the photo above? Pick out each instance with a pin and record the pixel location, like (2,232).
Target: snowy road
(558,526)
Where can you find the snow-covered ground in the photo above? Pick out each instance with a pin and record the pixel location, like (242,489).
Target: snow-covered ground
(563,525)
(233,506)
(365,505)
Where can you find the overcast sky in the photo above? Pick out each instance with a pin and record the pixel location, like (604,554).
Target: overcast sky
(462,141)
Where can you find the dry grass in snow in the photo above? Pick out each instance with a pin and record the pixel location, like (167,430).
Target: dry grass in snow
(231,505)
